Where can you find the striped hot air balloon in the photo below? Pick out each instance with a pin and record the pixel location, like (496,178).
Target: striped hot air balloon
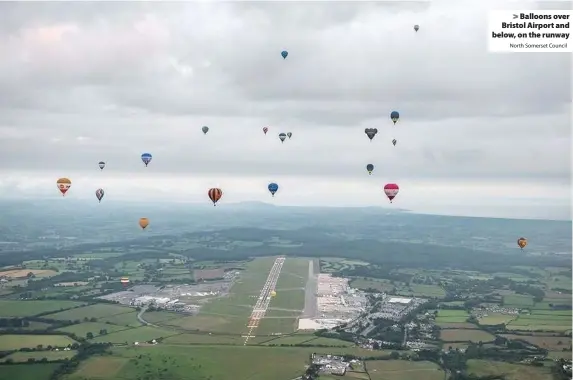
(124,281)
(214,195)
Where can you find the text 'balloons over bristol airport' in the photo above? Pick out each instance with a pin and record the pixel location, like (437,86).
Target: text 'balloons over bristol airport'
(282,136)
(101,165)
(99,194)
(371,132)
(143,223)
(205,129)
(284,54)
(391,190)
(370,168)
(214,195)
(64,185)
(146,158)
(395,116)
(273,188)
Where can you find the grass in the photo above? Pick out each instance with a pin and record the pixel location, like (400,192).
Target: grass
(551,343)
(204,362)
(451,316)
(82,329)
(379,285)
(288,299)
(190,339)
(294,274)
(19,357)
(125,319)
(453,335)
(531,323)
(38,371)
(420,290)
(208,323)
(9,308)
(512,371)
(517,300)
(15,342)
(93,311)
(403,370)
(268,326)
(139,334)
(496,319)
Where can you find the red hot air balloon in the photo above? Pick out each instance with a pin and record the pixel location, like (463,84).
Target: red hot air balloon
(215,194)
(265,130)
(391,190)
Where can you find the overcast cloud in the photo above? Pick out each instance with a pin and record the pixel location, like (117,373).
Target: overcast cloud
(83,82)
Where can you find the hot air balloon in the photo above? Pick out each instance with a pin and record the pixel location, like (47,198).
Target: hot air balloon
(273,188)
(522,242)
(284,54)
(64,185)
(371,132)
(143,223)
(124,281)
(416,27)
(394,115)
(101,165)
(265,130)
(391,190)
(205,129)
(289,135)
(214,195)
(273,294)
(146,158)
(394,142)
(99,194)
(282,136)
(369,168)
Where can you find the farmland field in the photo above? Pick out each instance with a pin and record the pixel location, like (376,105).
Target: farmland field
(512,371)
(548,342)
(39,371)
(15,342)
(124,319)
(496,319)
(402,370)
(138,334)
(516,300)
(452,335)
(82,329)
(28,308)
(241,362)
(451,316)
(21,356)
(93,311)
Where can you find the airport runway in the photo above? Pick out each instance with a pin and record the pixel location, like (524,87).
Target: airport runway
(310,293)
(264,299)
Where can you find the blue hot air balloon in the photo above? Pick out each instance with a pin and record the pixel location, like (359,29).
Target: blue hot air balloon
(273,188)
(394,115)
(284,54)
(146,158)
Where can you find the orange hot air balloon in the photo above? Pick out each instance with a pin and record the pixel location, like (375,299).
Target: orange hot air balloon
(143,223)
(64,185)
(522,242)
(215,194)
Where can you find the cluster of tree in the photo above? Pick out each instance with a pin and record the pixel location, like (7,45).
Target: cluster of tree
(536,292)
(85,351)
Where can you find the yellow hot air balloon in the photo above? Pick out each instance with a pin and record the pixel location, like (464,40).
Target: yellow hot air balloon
(64,185)
(143,223)
(522,242)
(273,294)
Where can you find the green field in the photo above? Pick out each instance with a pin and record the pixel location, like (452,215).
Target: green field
(21,356)
(512,371)
(10,308)
(82,329)
(451,316)
(93,311)
(139,334)
(40,371)
(241,362)
(124,319)
(15,342)
(465,335)
(517,300)
(403,370)
(496,319)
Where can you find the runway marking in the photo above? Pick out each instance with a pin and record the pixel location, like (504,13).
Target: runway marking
(264,299)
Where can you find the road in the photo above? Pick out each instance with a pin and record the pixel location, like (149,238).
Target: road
(310,292)
(264,299)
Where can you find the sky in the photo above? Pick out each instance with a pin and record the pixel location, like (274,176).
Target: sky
(85,82)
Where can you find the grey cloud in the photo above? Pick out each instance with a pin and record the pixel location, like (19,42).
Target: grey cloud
(132,77)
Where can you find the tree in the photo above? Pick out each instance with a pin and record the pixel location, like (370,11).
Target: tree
(89,335)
